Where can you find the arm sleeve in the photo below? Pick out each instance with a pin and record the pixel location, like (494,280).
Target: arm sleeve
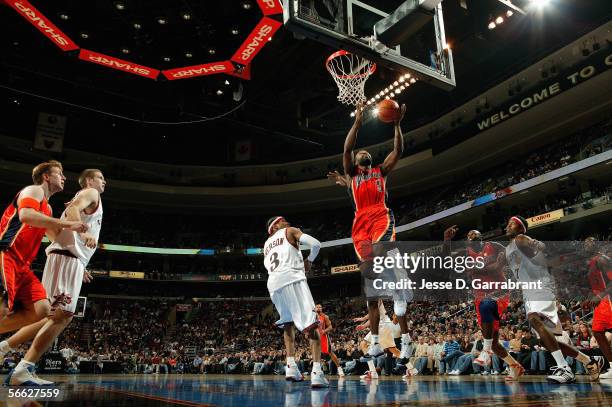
(313,244)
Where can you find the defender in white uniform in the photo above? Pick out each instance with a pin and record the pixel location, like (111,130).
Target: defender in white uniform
(64,273)
(525,256)
(290,293)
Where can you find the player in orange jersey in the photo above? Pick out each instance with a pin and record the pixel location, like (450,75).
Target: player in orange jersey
(325,327)
(24,223)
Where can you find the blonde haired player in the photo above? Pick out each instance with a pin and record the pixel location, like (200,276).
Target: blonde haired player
(290,293)
(64,273)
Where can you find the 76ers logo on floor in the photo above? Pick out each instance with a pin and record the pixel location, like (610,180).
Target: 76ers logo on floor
(61,299)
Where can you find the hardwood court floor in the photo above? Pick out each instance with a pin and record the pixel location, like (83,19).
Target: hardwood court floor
(245,390)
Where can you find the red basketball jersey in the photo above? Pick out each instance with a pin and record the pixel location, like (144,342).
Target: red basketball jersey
(596,276)
(368,188)
(489,250)
(19,240)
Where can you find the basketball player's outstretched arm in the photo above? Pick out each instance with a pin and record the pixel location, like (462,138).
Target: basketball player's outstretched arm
(29,203)
(398,146)
(526,243)
(351,139)
(296,236)
(87,198)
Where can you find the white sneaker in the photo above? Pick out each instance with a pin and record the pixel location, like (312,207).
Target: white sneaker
(514,371)
(561,375)
(485,373)
(340,372)
(455,372)
(607,375)
(369,376)
(318,380)
(22,376)
(293,374)
(484,359)
(410,371)
(495,373)
(375,350)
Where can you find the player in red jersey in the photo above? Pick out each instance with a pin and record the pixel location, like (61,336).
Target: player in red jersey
(489,304)
(374,221)
(325,327)
(600,278)
(23,224)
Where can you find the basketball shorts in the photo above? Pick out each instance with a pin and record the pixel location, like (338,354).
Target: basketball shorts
(371,225)
(489,315)
(19,282)
(602,316)
(62,279)
(295,305)
(326,345)
(546,309)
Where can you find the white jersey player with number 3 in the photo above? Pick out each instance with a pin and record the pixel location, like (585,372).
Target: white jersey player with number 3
(290,293)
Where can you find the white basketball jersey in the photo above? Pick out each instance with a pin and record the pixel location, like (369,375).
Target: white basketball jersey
(527,269)
(71,241)
(283,261)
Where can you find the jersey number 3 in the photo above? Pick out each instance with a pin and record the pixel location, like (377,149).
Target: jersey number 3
(274,261)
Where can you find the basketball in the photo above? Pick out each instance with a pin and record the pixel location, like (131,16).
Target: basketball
(388,111)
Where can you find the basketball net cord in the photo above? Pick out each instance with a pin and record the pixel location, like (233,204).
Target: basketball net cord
(350,72)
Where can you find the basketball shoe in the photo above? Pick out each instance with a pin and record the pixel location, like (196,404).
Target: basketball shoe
(561,374)
(292,374)
(318,380)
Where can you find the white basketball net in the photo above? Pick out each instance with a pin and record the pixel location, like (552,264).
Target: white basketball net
(350,72)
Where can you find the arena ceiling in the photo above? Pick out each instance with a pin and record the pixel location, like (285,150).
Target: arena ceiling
(288,108)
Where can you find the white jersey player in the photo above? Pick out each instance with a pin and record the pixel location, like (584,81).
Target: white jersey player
(63,275)
(290,293)
(525,256)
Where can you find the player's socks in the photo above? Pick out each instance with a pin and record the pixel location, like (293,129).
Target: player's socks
(561,362)
(487,344)
(316,367)
(405,338)
(290,361)
(585,359)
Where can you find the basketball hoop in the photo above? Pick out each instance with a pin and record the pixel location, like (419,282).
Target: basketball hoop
(350,72)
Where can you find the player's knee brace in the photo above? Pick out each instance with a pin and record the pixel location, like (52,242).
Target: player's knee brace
(399,307)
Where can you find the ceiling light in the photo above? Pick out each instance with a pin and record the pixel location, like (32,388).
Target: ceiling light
(119,6)
(395,83)
(64,16)
(401,79)
(235,31)
(246,5)
(509,13)
(387,97)
(397,91)
(125,50)
(412,80)
(167,59)
(219,92)
(84,36)
(492,25)
(375,111)
(162,21)
(226,82)
(377,97)
(539,3)
(212,51)
(137,26)
(188,54)
(499,20)
(186,16)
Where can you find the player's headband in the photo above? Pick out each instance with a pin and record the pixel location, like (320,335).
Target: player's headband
(520,222)
(273,223)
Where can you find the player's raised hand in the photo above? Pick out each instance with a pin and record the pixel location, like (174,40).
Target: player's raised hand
(361,327)
(451,232)
(338,178)
(401,115)
(359,112)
